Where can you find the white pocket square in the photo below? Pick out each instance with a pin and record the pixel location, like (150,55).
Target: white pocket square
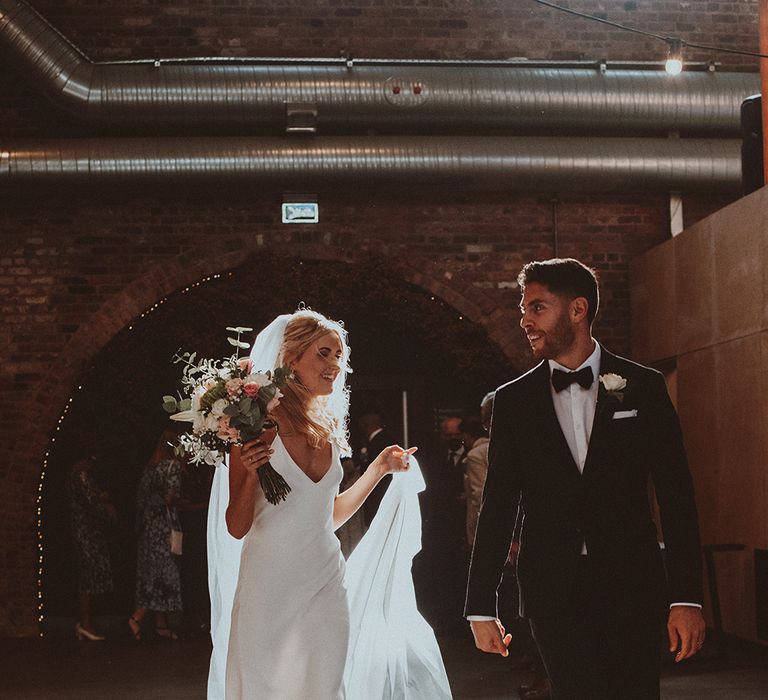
(625,414)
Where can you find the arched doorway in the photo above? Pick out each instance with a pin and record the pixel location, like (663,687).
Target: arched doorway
(402,338)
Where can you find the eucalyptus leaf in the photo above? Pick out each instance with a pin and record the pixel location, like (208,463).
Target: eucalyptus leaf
(185,404)
(245,404)
(237,343)
(239,329)
(231,410)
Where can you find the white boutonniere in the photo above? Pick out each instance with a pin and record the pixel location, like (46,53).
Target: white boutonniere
(613,385)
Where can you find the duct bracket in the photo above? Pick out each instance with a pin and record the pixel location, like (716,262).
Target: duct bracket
(300,118)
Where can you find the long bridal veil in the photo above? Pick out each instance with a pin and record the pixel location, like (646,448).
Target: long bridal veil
(223,569)
(392,651)
(223,549)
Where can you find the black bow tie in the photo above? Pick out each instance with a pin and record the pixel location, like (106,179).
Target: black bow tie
(561,380)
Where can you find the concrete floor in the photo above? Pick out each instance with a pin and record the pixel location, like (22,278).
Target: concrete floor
(159,669)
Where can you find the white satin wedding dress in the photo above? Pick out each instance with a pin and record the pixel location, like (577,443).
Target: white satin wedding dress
(296,623)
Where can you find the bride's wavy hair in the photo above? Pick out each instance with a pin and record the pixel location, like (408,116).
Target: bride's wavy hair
(321,418)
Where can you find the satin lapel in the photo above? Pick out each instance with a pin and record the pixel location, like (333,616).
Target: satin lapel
(604,410)
(550,425)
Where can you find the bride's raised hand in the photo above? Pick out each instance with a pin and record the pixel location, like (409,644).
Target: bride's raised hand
(394,459)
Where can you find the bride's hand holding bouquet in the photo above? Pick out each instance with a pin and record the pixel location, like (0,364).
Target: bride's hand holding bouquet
(257,453)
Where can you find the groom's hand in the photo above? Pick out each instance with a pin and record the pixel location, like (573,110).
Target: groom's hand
(490,636)
(686,629)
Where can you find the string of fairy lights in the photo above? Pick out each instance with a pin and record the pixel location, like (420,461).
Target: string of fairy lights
(52,442)
(674,62)
(40,549)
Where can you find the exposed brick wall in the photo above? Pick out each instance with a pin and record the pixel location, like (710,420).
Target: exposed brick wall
(117,29)
(74,270)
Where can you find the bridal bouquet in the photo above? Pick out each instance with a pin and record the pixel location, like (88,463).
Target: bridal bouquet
(229,403)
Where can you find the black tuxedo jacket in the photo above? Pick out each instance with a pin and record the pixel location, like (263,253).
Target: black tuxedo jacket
(606,506)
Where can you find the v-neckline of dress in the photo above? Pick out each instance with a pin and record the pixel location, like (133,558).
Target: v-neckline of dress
(296,464)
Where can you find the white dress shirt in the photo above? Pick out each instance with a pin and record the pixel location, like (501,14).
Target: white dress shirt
(575,407)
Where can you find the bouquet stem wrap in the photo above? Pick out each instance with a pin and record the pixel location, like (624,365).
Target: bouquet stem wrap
(273,485)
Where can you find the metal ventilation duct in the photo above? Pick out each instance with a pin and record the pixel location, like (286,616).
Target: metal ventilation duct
(472,163)
(216,94)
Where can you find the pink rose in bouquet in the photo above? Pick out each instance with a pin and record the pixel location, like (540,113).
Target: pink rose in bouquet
(252,389)
(245,364)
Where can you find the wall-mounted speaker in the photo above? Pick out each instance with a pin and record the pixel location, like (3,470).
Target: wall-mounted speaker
(751,144)
(761,592)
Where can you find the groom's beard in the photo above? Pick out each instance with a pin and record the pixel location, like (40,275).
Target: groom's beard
(557,341)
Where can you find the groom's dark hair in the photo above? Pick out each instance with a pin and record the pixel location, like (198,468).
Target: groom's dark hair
(565,277)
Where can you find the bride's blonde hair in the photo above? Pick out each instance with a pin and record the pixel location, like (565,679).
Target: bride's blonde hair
(320,418)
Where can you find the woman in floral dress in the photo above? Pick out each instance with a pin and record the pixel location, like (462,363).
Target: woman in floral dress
(158,582)
(91,513)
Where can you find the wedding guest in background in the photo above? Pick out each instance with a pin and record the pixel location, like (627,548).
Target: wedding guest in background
(192,507)
(377,437)
(158,583)
(352,531)
(445,529)
(475,463)
(91,514)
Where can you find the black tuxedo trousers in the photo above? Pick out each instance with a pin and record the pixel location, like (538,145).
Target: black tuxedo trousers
(635,436)
(592,652)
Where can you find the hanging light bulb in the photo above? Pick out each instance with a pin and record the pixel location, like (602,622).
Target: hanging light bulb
(674,64)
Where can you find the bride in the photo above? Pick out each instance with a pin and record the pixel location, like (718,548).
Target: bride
(291,620)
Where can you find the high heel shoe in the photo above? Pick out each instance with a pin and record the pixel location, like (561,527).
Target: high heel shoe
(135,626)
(82,633)
(166,633)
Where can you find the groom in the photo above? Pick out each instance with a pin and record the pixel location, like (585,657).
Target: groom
(574,441)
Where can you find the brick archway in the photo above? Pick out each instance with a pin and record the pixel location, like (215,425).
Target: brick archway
(132,302)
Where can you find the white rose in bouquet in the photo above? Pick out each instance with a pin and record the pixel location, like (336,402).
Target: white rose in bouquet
(218,407)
